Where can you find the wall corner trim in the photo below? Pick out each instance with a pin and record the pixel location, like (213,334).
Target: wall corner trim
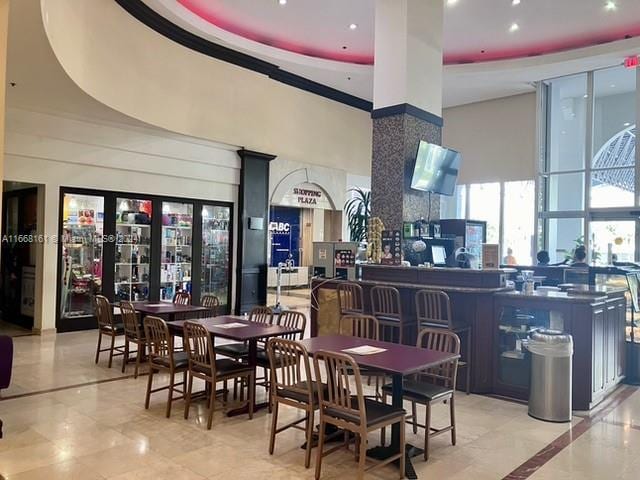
(407,108)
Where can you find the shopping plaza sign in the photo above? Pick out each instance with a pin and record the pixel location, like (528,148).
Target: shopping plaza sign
(306,195)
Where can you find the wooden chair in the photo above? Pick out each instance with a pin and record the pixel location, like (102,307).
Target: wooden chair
(239,351)
(351,411)
(350,298)
(433,310)
(292,385)
(107,327)
(163,358)
(204,365)
(433,385)
(387,308)
(182,298)
(132,334)
(212,302)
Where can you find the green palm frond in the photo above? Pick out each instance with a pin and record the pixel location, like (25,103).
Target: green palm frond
(358,211)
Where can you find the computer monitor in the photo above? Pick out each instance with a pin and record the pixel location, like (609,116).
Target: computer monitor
(438,254)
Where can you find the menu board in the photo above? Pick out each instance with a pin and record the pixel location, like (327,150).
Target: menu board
(490,255)
(391,247)
(345,258)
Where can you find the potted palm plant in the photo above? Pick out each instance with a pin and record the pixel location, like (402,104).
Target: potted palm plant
(358,211)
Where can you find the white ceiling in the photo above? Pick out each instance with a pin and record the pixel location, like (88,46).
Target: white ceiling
(277,34)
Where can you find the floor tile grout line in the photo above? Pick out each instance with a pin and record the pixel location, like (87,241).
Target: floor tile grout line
(620,424)
(543,456)
(69,387)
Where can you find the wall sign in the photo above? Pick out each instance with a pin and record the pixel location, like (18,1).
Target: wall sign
(391,248)
(306,195)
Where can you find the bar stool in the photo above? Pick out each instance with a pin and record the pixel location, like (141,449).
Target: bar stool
(433,310)
(350,298)
(387,308)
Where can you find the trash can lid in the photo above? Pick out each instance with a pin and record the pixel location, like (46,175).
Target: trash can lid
(551,343)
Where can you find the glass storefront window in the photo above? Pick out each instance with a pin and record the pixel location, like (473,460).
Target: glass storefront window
(519,219)
(612,188)
(612,240)
(82,231)
(563,234)
(565,192)
(484,204)
(133,248)
(175,265)
(216,225)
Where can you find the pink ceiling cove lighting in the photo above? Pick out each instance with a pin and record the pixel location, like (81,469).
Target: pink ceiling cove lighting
(474,31)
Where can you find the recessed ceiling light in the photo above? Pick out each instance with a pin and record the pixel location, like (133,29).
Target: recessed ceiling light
(282,2)
(514,27)
(585,95)
(627,124)
(515,2)
(613,85)
(353,26)
(451,2)
(610,6)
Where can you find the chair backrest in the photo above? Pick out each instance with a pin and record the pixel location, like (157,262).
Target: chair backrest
(293,319)
(290,367)
(350,297)
(361,326)
(182,298)
(130,320)
(261,315)
(433,307)
(212,302)
(159,341)
(385,302)
(199,346)
(442,341)
(340,369)
(104,313)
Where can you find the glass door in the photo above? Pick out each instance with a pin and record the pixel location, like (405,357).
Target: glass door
(177,244)
(133,248)
(612,241)
(81,269)
(216,225)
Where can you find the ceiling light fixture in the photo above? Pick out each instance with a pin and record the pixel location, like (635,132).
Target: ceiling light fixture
(451,2)
(586,95)
(612,85)
(353,26)
(282,2)
(515,2)
(627,124)
(610,6)
(514,27)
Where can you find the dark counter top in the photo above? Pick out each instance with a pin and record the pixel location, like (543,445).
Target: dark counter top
(587,295)
(416,286)
(442,269)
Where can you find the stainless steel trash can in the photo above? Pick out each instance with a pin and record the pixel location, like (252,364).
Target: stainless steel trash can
(550,391)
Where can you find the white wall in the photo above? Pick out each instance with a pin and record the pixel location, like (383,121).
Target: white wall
(53,151)
(496,138)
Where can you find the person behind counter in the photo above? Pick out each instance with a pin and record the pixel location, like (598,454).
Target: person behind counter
(580,258)
(543,258)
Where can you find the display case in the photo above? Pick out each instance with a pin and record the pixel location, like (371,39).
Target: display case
(133,249)
(216,222)
(176,252)
(81,254)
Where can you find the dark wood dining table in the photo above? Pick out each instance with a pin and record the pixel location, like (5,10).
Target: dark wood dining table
(397,361)
(253,332)
(170,310)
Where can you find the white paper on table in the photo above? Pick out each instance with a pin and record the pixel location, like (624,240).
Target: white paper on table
(157,304)
(364,350)
(231,325)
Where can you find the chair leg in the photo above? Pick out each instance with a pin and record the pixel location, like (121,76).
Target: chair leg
(274,426)
(427,432)
(187,402)
(468,372)
(212,405)
(113,345)
(307,455)
(172,379)
(149,384)
(225,394)
(125,357)
(383,430)
(362,455)
(99,345)
(414,413)
(452,414)
(251,394)
(403,442)
(138,358)
(320,450)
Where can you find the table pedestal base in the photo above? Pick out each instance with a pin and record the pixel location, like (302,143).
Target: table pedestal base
(382,453)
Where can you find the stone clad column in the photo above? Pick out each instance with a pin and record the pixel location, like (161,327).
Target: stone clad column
(407,104)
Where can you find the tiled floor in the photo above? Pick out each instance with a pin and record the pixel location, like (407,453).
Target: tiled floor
(102,430)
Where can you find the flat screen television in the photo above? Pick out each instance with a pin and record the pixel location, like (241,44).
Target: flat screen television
(436,169)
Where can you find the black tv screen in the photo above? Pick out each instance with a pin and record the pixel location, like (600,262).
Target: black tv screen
(436,169)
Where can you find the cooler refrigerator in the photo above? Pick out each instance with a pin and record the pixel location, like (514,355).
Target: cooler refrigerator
(470,234)
(335,259)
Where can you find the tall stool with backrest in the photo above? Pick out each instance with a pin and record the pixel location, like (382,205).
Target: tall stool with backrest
(132,334)
(212,302)
(387,308)
(350,298)
(163,358)
(204,365)
(292,385)
(182,298)
(350,411)
(433,385)
(108,328)
(433,310)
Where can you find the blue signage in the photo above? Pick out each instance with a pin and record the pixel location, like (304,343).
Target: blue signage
(284,228)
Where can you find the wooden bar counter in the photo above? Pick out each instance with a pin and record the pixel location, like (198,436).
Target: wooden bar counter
(498,357)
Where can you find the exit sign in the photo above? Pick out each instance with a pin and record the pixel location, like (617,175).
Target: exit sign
(632,62)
